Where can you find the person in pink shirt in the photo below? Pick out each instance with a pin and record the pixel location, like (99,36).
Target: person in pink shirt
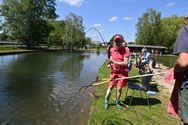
(119,68)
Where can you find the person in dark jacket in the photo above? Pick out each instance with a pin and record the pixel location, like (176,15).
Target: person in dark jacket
(181,67)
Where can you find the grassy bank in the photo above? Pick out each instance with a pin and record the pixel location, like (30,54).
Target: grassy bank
(9,49)
(139,112)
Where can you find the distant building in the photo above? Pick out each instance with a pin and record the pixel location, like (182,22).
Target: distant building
(105,44)
(138,48)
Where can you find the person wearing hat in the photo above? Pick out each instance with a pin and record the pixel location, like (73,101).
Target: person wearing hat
(181,71)
(142,56)
(142,61)
(119,68)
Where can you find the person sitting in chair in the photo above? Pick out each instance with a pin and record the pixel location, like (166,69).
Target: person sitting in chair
(144,62)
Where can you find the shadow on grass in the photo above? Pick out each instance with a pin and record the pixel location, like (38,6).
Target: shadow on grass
(141,101)
(133,80)
(112,120)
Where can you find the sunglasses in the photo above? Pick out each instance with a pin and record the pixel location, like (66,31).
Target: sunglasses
(118,42)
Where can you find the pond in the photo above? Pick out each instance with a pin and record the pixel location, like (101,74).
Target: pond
(167,60)
(42,88)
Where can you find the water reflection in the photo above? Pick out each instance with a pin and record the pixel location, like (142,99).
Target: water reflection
(42,88)
(72,66)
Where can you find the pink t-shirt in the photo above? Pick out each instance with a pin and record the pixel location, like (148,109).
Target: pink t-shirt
(118,55)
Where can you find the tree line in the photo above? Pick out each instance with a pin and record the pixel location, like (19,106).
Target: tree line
(154,30)
(33,23)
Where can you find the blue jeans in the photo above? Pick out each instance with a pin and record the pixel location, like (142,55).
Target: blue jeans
(183,105)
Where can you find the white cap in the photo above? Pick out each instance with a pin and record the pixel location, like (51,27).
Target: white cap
(144,49)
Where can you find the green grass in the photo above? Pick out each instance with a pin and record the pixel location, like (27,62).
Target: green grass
(12,49)
(8,48)
(139,112)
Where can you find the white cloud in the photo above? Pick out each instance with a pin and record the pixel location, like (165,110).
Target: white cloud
(169,4)
(113,19)
(127,18)
(97,25)
(76,3)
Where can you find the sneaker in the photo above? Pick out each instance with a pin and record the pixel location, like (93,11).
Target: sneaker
(117,103)
(106,105)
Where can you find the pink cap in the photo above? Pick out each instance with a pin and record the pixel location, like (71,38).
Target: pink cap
(118,37)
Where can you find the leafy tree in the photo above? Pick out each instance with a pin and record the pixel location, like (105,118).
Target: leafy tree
(56,33)
(3,36)
(26,20)
(88,40)
(148,28)
(98,47)
(131,43)
(169,30)
(84,42)
(74,31)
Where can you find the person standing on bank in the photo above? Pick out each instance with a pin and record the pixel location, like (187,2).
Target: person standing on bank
(181,67)
(154,59)
(119,68)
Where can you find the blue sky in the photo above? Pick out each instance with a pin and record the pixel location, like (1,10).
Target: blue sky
(117,16)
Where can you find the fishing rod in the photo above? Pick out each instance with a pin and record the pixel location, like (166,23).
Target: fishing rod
(105,80)
(92,28)
(138,76)
(130,77)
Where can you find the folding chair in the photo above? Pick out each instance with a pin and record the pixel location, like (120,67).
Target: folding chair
(142,86)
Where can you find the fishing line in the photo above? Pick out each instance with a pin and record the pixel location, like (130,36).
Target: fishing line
(144,116)
(84,88)
(139,113)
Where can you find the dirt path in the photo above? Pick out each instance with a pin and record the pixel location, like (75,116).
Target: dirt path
(159,79)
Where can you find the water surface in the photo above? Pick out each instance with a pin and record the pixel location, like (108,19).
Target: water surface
(167,60)
(42,88)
